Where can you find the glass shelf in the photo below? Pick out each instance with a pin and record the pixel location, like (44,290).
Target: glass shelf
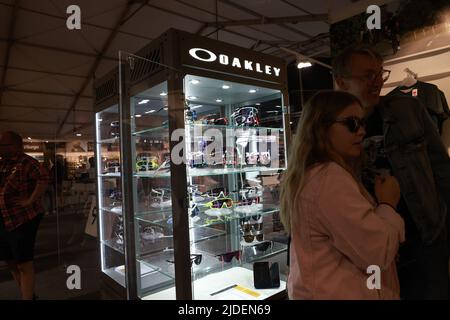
(164,128)
(210,250)
(110,210)
(208,220)
(151,130)
(199,172)
(149,275)
(110,175)
(251,252)
(160,218)
(152,174)
(243,128)
(113,245)
(198,234)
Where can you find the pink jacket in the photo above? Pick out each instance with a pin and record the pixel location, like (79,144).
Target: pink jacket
(336,235)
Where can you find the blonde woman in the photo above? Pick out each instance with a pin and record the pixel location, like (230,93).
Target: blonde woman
(337,229)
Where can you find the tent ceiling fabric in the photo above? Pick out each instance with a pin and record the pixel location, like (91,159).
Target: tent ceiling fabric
(51,68)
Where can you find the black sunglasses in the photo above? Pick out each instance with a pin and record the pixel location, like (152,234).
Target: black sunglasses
(353,124)
(263,246)
(196,258)
(228,256)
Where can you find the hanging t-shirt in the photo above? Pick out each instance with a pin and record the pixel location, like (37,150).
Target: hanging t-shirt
(431,97)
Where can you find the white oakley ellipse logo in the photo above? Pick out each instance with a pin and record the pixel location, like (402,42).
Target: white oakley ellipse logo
(212,56)
(235,62)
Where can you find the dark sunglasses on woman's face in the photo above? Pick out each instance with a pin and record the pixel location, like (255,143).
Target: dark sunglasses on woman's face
(353,124)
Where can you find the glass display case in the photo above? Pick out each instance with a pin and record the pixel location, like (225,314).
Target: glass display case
(202,152)
(109,178)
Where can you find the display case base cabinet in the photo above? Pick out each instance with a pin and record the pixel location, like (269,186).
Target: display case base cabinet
(111,290)
(239,282)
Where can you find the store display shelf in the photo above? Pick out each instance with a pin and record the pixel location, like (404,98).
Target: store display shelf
(151,277)
(206,218)
(200,172)
(154,216)
(240,128)
(212,253)
(109,141)
(198,234)
(113,245)
(160,261)
(152,174)
(164,129)
(163,261)
(234,214)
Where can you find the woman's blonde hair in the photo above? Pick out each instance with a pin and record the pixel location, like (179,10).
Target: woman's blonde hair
(311,146)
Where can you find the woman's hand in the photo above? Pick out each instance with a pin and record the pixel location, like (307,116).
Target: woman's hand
(387,190)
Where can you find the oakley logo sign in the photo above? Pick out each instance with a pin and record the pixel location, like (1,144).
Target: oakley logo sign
(209,56)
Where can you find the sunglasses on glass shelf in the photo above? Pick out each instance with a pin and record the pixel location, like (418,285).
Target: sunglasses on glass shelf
(219,203)
(263,246)
(228,256)
(195,258)
(247,227)
(249,237)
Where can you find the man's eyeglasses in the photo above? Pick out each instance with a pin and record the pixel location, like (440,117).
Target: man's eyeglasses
(227,257)
(370,77)
(352,123)
(195,258)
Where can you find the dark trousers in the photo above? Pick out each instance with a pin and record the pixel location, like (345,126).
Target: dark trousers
(423,269)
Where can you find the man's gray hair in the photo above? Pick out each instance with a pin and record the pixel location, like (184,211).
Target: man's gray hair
(342,62)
